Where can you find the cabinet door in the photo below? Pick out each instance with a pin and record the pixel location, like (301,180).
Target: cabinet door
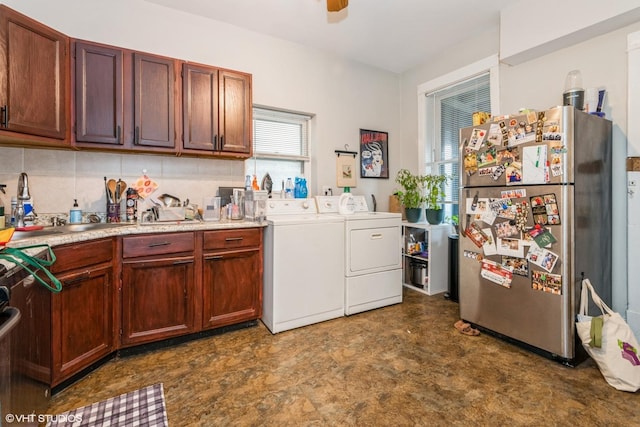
(34,86)
(235,113)
(200,107)
(158,299)
(232,287)
(154,115)
(98,94)
(83,321)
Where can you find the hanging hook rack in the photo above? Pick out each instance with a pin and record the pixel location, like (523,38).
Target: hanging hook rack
(346,151)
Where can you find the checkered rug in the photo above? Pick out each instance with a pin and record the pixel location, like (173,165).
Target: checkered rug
(140,408)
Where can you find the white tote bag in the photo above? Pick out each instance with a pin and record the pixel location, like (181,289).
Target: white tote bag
(618,354)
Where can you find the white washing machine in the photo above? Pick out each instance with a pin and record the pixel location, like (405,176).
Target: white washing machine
(303,265)
(373,254)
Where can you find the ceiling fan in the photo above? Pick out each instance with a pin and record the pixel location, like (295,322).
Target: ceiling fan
(336,5)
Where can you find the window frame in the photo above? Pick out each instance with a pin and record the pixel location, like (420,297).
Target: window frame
(265,113)
(429,139)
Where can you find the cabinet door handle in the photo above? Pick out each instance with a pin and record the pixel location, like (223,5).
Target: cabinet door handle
(376,236)
(118,134)
(4,113)
(213,258)
(153,245)
(187,261)
(221,142)
(233,239)
(215,141)
(136,135)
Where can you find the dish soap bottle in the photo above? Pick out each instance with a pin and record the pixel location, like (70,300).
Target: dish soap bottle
(75,214)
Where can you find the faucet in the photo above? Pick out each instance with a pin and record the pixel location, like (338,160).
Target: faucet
(23,194)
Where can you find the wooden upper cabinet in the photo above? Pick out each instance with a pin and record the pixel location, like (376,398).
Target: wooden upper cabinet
(34,77)
(216,108)
(154,101)
(200,107)
(98,94)
(235,112)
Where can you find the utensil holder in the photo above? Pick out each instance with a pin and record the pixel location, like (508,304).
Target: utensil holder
(113,212)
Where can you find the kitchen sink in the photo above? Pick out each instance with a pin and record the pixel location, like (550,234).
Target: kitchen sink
(76,228)
(65,229)
(19,235)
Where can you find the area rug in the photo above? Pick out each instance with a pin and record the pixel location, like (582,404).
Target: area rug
(140,408)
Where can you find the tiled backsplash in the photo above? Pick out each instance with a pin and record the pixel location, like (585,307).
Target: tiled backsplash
(57,177)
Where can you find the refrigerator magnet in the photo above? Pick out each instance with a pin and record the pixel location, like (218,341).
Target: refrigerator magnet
(496,273)
(514,173)
(542,236)
(486,158)
(541,281)
(541,257)
(510,247)
(472,255)
(470,163)
(489,247)
(494,137)
(477,138)
(477,236)
(520,266)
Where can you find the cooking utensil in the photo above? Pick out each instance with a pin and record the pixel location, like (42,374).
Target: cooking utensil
(111,186)
(123,189)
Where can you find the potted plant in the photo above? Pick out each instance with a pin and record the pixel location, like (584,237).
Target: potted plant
(412,195)
(434,185)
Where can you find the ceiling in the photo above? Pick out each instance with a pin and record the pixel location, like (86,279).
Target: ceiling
(393,35)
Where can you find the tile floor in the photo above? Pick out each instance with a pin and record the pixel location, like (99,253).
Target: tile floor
(403,365)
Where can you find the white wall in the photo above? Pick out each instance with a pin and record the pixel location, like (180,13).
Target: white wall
(538,84)
(344,95)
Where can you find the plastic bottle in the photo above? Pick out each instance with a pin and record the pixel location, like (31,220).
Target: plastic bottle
(14,204)
(254,183)
(75,214)
(288,189)
(247,182)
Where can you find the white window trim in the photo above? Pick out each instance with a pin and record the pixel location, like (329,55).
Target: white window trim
(490,63)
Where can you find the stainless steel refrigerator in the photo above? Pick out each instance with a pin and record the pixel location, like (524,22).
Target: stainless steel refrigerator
(535,217)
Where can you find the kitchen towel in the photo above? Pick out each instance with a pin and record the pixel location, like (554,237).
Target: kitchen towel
(609,341)
(139,408)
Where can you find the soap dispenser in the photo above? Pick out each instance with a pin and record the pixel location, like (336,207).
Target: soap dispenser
(75,214)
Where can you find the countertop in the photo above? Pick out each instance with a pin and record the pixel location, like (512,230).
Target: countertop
(54,240)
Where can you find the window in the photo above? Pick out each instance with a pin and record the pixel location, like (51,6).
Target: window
(280,145)
(448,104)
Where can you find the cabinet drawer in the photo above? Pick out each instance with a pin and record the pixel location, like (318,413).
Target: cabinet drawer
(158,244)
(230,239)
(78,255)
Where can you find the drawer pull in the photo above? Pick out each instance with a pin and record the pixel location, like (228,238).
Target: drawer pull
(153,245)
(213,258)
(376,236)
(187,261)
(233,239)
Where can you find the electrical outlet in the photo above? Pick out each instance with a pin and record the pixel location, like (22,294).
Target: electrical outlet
(326,190)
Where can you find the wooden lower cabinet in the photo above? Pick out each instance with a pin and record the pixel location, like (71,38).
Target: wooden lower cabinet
(158,287)
(230,294)
(157,299)
(83,313)
(121,292)
(231,277)
(83,321)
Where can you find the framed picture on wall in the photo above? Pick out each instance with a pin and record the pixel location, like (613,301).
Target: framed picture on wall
(374,154)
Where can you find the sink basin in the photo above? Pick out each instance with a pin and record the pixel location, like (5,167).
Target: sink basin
(19,235)
(76,228)
(65,229)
